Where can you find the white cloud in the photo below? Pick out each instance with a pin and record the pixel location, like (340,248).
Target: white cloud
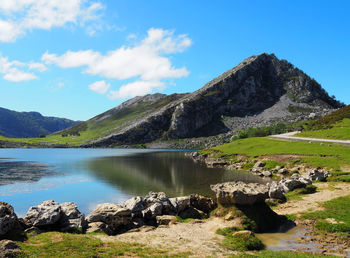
(147,62)
(18,71)
(20,16)
(137,88)
(100,87)
(37,66)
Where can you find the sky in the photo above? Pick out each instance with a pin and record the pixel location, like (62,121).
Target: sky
(79,58)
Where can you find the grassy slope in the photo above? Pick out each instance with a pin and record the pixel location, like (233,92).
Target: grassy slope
(314,154)
(339,131)
(93,129)
(333,126)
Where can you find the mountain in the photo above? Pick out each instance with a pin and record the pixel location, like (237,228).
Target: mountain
(30,124)
(262,90)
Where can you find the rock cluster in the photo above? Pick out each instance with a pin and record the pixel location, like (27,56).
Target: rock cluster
(9,249)
(49,215)
(156,208)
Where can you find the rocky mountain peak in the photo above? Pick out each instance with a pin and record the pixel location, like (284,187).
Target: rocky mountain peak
(259,91)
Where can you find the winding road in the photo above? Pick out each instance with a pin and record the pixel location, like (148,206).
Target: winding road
(290,137)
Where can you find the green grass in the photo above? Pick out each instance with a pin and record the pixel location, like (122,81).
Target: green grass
(54,244)
(298,194)
(312,154)
(278,254)
(336,209)
(242,243)
(339,131)
(271,164)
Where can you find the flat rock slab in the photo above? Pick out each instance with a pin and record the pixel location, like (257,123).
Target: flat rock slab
(240,193)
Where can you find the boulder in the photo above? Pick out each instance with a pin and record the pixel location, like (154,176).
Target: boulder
(135,205)
(294,182)
(317,174)
(160,197)
(240,193)
(71,219)
(153,197)
(259,164)
(192,213)
(113,215)
(46,213)
(202,203)
(276,191)
(165,219)
(9,249)
(283,171)
(266,174)
(8,219)
(96,227)
(153,211)
(64,217)
(180,203)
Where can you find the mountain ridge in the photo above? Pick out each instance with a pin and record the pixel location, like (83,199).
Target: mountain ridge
(30,124)
(259,91)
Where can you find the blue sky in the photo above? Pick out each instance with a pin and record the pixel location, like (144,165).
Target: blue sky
(78,58)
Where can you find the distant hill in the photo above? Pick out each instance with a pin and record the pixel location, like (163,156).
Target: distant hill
(30,124)
(262,90)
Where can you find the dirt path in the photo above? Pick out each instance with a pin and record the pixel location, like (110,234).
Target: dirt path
(290,136)
(197,237)
(327,191)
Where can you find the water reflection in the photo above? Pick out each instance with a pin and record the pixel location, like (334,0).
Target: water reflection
(170,172)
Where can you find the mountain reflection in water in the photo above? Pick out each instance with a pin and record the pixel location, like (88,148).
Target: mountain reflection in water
(169,172)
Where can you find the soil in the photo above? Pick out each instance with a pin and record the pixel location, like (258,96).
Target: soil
(326,192)
(197,237)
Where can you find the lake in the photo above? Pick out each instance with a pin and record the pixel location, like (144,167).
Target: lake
(92,176)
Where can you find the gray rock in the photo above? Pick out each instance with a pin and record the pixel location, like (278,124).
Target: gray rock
(295,181)
(135,204)
(8,219)
(71,219)
(317,174)
(259,164)
(276,191)
(192,213)
(180,203)
(45,214)
(96,227)
(153,197)
(240,193)
(113,215)
(153,211)
(283,171)
(9,249)
(165,219)
(202,203)
(266,174)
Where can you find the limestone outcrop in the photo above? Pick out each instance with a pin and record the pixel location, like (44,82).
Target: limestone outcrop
(240,193)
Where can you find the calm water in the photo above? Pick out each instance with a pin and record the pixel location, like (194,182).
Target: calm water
(92,176)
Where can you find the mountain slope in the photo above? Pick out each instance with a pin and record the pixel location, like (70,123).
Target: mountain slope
(259,91)
(30,124)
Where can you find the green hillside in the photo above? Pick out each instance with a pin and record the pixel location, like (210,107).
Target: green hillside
(333,126)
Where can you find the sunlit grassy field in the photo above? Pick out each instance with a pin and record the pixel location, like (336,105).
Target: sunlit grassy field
(330,156)
(339,131)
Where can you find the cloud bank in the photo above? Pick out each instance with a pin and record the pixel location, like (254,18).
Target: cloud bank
(147,63)
(19,16)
